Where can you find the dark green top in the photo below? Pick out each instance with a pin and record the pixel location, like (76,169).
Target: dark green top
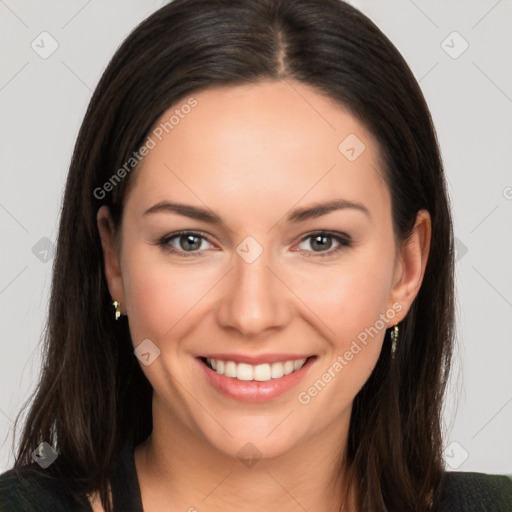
(33,491)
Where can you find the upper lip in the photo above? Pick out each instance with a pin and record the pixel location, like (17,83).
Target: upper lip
(256,359)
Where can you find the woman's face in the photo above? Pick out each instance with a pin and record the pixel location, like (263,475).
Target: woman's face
(266,274)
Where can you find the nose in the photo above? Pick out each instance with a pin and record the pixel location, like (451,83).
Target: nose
(254,298)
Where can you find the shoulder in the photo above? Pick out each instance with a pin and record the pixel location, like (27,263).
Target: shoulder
(32,489)
(479,492)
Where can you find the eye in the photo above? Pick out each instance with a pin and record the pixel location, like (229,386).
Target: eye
(321,242)
(190,243)
(184,243)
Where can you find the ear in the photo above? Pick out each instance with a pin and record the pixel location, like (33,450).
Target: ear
(410,265)
(110,255)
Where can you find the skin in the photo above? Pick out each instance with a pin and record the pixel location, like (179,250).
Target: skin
(252,154)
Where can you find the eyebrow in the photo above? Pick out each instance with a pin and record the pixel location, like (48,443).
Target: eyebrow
(194,212)
(296,216)
(317,210)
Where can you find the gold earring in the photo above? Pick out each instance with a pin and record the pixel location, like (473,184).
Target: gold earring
(394,339)
(118,309)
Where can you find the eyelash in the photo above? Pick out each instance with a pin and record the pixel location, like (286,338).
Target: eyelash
(343,240)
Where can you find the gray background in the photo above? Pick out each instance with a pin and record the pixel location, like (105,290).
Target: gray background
(43,100)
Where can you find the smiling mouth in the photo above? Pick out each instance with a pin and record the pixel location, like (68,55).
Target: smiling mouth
(260,372)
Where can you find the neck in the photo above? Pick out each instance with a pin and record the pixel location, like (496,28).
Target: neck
(178,470)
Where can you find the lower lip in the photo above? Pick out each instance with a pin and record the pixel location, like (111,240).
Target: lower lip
(253,390)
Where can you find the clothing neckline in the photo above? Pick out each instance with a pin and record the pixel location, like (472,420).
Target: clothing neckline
(126,494)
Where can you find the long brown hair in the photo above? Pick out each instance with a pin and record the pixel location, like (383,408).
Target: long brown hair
(92,396)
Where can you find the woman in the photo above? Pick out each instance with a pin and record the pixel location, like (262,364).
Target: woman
(258,191)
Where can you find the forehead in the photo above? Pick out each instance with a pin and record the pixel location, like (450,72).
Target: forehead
(267,142)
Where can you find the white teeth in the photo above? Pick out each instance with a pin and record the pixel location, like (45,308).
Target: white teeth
(260,372)
(288,367)
(230,369)
(297,365)
(244,371)
(277,370)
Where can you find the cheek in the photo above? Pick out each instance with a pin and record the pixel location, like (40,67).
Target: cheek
(350,297)
(158,296)
(352,311)
(352,305)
